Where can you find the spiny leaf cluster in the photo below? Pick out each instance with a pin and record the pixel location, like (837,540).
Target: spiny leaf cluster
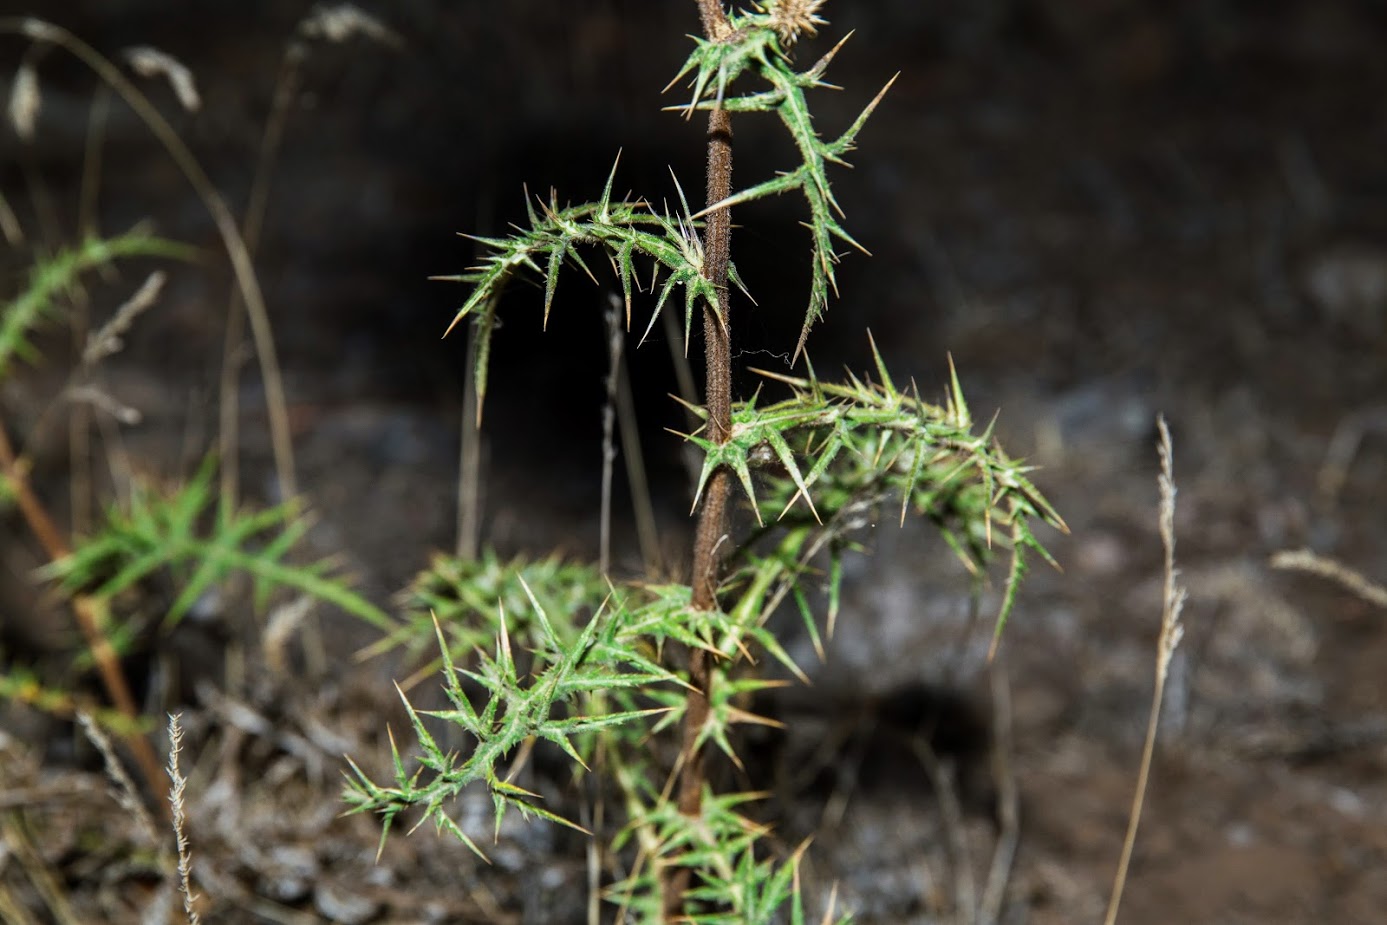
(732,883)
(568,695)
(593,685)
(159,530)
(623,229)
(756,44)
(836,447)
(468,596)
(472,602)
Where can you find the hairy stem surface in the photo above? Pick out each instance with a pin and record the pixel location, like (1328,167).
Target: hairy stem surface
(717,351)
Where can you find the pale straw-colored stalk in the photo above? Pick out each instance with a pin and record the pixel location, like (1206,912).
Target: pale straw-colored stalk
(1173,602)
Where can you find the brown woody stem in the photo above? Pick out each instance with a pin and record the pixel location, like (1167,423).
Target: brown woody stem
(717,347)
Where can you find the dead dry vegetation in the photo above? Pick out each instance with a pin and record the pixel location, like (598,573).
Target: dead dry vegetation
(1103,213)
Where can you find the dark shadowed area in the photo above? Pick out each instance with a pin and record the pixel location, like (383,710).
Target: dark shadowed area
(1102,210)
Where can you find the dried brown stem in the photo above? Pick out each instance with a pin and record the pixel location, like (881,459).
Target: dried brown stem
(717,348)
(88,613)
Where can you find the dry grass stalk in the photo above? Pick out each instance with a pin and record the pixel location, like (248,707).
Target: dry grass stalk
(11,911)
(185,858)
(9,224)
(339,22)
(107,341)
(1172,630)
(125,794)
(91,396)
(25,101)
(1008,797)
(79,421)
(612,317)
(151,62)
(469,513)
(1360,585)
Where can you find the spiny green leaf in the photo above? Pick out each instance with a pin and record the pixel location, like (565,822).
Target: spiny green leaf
(446,824)
(620,229)
(898,444)
(755,46)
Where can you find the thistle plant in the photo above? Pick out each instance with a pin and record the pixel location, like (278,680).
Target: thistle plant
(643,680)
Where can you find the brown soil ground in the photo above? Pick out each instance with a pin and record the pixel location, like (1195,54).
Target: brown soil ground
(1102,210)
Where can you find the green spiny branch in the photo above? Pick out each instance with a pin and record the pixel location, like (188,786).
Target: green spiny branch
(840,446)
(758,43)
(623,229)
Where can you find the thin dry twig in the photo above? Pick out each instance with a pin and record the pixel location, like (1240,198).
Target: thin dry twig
(1008,797)
(125,794)
(1173,602)
(941,777)
(107,341)
(185,858)
(89,396)
(1303,560)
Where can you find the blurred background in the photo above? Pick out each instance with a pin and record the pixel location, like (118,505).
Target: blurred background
(1101,209)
